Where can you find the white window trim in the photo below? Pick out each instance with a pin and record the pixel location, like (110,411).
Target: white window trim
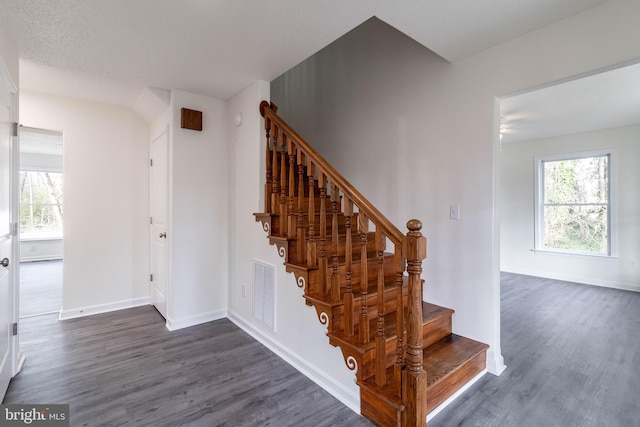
(539,197)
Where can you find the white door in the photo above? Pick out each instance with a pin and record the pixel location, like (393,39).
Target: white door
(7,263)
(159,183)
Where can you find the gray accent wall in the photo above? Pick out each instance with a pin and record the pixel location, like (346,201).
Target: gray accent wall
(417,134)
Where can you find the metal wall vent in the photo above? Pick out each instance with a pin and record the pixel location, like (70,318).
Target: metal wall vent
(264,293)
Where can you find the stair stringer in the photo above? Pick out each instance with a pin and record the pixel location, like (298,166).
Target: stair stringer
(303,278)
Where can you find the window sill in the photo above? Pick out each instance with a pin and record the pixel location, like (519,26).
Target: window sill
(569,253)
(40,239)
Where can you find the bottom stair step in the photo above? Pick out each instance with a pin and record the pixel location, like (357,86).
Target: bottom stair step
(450,364)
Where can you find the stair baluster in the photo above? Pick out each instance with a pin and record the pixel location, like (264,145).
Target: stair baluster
(300,235)
(322,261)
(311,241)
(335,206)
(268,177)
(283,185)
(381,341)
(275,181)
(291,218)
(348,295)
(363,226)
(398,263)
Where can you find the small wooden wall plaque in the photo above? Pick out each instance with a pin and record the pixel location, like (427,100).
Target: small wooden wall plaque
(191,119)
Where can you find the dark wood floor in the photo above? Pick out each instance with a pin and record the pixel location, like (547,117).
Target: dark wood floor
(40,287)
(127,369)
(573,356)
(573,359)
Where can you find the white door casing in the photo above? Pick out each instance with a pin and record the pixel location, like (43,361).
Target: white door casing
(8,238)
(158,206)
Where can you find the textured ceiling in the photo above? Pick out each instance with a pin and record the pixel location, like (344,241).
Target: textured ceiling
(605,100)
(109,50)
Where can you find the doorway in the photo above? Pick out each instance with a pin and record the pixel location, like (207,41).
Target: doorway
(41,221)
(159,209)
(578,223)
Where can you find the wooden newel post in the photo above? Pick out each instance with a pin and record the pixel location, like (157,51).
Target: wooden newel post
(414,378)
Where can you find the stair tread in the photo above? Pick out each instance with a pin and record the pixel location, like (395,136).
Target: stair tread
(439,361)
(444,357)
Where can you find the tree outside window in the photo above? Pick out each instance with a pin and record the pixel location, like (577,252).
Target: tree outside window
(41,204)
(574,208)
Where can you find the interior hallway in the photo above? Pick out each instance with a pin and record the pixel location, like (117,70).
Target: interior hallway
(40,287)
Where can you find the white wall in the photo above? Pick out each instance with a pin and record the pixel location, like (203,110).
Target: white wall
(376,101)
(106,200)
(517,210)
(299,337)
(198,204)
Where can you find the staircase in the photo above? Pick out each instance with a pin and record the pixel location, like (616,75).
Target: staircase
(362,276)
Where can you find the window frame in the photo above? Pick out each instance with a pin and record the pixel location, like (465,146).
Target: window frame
(539,206)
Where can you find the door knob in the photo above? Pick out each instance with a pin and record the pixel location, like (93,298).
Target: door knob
(5,262)
(163,235)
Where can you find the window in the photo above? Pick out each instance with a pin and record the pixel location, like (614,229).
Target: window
(40,205)
(573,203)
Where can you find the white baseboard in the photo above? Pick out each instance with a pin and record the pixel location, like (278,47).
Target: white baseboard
(185,322)
(20,364)
(495,362)
(578,279)
(352,401)
(40,258)
(102,308)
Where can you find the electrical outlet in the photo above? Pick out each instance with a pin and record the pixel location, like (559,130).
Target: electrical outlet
(454,212)
(244,290)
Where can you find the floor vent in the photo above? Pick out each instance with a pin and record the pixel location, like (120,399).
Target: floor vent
(264,293)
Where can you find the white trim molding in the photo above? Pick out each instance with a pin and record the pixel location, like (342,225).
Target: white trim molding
(578,280)
(102,308)
(185,322)
(495,362)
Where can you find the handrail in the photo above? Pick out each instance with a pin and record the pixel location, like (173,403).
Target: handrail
(365,206)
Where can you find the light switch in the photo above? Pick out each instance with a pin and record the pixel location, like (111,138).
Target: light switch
(454,212)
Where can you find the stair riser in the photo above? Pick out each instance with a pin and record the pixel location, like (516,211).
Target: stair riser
(335,312)
(435,330)
(372,272)
(432,331)
(442,390)
(379,410)
(313,281)
(293,219)
(291,248)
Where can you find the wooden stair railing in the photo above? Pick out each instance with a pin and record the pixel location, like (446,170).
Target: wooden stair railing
(334,240)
